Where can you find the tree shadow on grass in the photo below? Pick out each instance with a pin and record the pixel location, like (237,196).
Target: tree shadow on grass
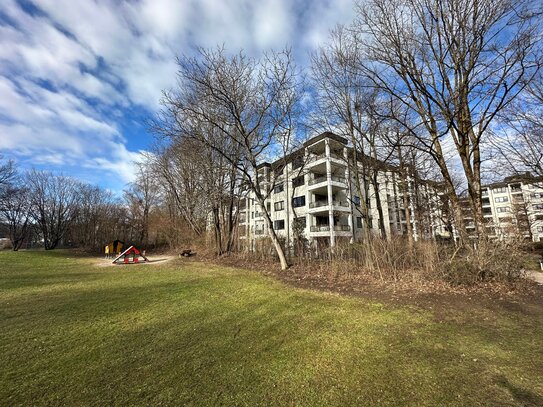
(527,397)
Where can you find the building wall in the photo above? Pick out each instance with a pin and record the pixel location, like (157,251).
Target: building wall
(330,210)
(513,207)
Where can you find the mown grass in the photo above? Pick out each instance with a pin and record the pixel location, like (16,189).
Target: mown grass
(72,333)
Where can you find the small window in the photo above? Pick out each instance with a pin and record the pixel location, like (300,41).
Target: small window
(502,210)
(279,224)
(356,200)
(268,207)
(359,222)
(298,181)
(538,206)
(540,229)
(279,206)
(278,188)
(298,201)
(501,199)
(500,190)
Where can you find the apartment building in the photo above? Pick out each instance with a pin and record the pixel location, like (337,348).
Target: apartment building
(314,195)
(513,206)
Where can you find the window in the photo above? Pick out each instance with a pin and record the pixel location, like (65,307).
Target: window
(278,188)
(300,223)
(298,201)
(502,210)
(484,192)
(536,195)
(356,200)
(279,224)
(500,190)
(540,229)
(501,199)
(298,181)
(279,206)
(268,207)
(359,222)
(538,206)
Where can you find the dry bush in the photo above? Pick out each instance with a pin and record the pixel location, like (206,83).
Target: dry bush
(397,261)
(486,261)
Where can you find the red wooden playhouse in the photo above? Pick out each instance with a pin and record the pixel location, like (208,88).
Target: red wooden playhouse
(130,256)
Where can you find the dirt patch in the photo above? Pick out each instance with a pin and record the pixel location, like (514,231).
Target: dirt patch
(160,259)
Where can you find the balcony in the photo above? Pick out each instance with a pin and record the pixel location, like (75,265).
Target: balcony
(319,160)
(320,183)
(323,206)
(326,228)
(318,204)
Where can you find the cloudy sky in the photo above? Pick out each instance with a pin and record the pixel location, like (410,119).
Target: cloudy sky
(78,78)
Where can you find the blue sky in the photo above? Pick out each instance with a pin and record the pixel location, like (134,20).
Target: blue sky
(79,78)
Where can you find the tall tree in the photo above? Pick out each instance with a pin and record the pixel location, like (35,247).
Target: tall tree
(457,64)
(518,137)
(53,204)
(241,98)
(14,204)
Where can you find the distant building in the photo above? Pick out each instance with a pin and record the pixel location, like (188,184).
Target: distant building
(513,206)
(315,194)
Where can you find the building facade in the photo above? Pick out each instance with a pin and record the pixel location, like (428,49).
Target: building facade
(513,206)
(314,196)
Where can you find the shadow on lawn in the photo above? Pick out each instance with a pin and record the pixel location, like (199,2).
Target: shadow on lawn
(527,397)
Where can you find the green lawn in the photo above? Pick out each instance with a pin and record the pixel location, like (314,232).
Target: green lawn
(72,333)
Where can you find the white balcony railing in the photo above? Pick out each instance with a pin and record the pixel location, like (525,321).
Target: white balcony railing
(333,178)
(318,204)
(326,228)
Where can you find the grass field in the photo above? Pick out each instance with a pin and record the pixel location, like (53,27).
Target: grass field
(73,333)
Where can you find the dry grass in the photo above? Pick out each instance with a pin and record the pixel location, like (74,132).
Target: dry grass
(425,265)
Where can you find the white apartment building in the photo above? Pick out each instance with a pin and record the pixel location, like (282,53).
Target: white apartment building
(316,194)
(514,205)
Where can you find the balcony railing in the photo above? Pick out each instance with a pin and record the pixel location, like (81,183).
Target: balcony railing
(317,157)
(318,204)
(326,228)
(334,178)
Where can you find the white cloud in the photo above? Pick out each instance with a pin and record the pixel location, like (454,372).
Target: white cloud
(71,72)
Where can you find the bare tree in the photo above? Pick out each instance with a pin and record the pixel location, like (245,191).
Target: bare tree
(457,64)
(53,204)
(14,204)
(142,196)
(96,221)
(518,138)
(8,173)
(343,99)
(241,99)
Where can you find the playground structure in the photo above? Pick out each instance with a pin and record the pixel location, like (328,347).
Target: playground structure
(113,249)
(130,256)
